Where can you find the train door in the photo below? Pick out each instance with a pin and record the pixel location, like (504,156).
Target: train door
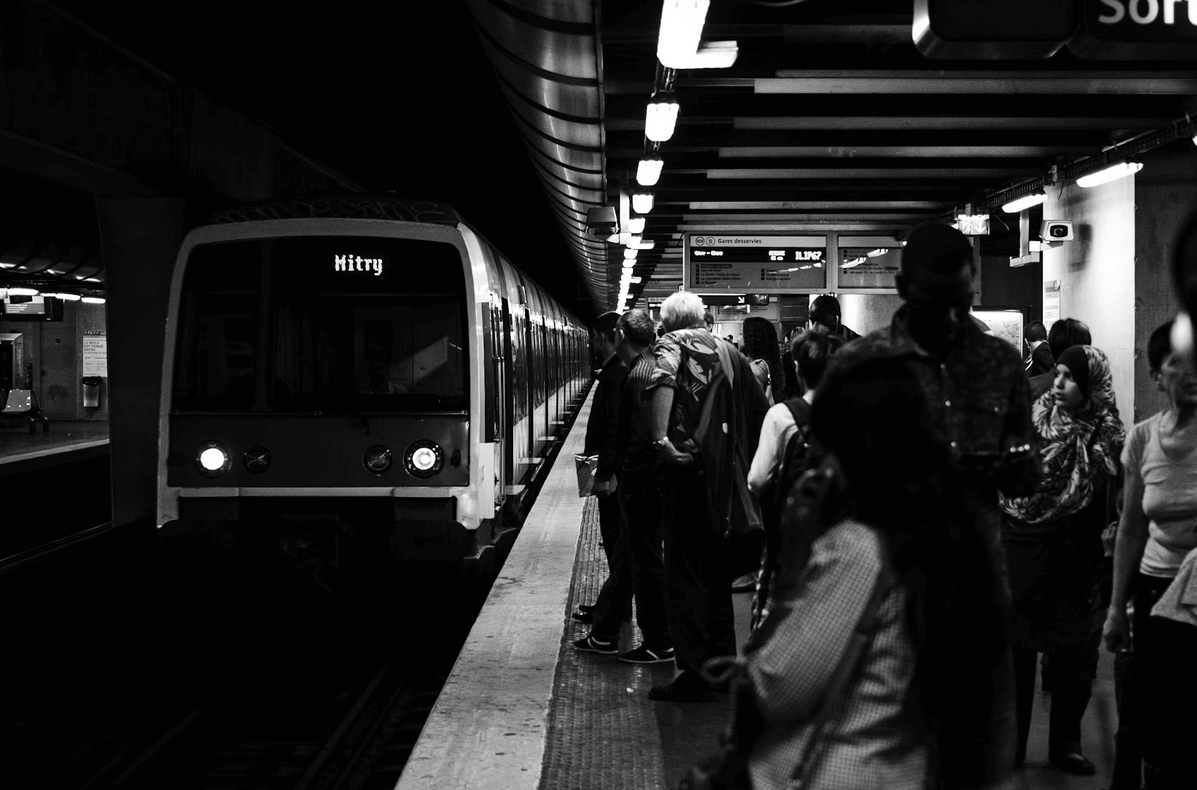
(531,389)
(508,397)
(501,354)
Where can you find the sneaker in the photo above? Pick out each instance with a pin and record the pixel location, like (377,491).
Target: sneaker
(645,655)
(583,617)
(589,644)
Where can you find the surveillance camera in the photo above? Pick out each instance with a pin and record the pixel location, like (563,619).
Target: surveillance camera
(1056,230)
(602,221)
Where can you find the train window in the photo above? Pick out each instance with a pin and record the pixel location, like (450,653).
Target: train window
(324,324)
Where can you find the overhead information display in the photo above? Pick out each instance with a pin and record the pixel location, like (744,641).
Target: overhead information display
(755,263)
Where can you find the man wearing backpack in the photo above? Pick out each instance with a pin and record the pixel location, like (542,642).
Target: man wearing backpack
(707,409)
(781,455)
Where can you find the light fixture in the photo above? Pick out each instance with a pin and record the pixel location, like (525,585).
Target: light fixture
(23,291)
(93,300)
(635,240)
(629,254)
(636,225)
(648,172)
(64,297)
(681,30)
(1018,204)
(661,117)
(642,202)
(1111,173)
(711,55)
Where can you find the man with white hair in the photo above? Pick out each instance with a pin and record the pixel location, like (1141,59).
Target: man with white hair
(707,410)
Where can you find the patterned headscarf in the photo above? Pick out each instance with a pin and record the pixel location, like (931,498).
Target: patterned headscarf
(1076,446)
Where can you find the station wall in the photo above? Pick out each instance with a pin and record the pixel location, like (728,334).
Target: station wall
(56,350)
(1097,273)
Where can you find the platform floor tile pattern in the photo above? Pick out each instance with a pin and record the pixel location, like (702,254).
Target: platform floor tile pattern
(604,732)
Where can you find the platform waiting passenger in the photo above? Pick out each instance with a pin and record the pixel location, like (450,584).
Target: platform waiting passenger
(977,394)
(705,483)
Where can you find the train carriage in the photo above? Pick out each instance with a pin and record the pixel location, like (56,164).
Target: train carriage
(370,361)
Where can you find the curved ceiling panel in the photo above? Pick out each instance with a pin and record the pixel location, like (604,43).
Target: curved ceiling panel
(546,61)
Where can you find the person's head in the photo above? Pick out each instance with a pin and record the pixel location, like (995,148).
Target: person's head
(1083,379)
(760,338)
(634,332)
(1171,368)
(602,335)
(1035,333)
(825,312)
(709,320)
(936,280)
(1068,332)
(811,352)
(682,310)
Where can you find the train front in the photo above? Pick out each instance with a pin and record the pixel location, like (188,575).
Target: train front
(318,390)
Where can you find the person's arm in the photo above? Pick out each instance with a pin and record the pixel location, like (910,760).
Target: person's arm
(806,637)
(662,405)
(764,462)
(1019,466)
(1128,551)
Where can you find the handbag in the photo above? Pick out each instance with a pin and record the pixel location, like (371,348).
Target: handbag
(727,768)
(587,465)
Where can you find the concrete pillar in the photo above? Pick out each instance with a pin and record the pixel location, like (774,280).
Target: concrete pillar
(1097,272)
(140,238)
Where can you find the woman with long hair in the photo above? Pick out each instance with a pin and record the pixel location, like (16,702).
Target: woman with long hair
(876,539)
(1054,552)
(759,344)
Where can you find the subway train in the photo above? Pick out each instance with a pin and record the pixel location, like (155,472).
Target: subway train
(364,362)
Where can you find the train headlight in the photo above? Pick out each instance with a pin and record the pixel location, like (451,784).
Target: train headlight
(377,459)
(256,459)
(212,459)
(424,459)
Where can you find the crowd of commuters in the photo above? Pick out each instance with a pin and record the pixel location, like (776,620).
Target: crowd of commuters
(924,510)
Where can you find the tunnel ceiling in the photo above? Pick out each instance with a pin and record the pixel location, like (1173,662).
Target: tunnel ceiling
(827,120)
(524,113)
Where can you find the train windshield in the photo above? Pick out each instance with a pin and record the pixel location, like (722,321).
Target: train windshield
(321,324)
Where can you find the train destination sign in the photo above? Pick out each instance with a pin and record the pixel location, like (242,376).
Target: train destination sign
(755,263)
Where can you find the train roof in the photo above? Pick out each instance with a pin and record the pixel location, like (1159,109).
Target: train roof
(341,206)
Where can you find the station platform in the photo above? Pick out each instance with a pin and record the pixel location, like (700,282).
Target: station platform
(524,710)
(22,451)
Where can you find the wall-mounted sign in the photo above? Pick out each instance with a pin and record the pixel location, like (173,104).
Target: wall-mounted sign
(755,263)
(1051,303)
(95,355)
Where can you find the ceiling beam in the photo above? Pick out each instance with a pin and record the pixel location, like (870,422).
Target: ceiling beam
(986,82)
(891,122)
(887,151)
(799,205)
(888,174)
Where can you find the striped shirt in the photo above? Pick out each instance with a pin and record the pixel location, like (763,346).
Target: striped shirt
(870,740)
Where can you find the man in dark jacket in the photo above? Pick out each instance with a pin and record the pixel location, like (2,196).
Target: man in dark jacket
(601,441)
(704,482)
(1041,359)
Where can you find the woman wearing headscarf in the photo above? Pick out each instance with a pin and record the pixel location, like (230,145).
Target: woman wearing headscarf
(1054,551)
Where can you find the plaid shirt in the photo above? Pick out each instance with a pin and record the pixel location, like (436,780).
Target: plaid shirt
(871,739)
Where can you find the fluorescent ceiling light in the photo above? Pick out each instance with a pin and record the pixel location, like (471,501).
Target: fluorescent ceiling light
(644,245)
(681,30)
(634,240)
(1017,205)
(661,117)
(634,279)
(711,55)
(630,254)
(23,291)
(64,297)
(93,300)
(642,202)
(649,171)
(1111,173)
(636,225)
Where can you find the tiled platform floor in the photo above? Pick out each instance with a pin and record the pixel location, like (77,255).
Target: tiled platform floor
(604,732)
